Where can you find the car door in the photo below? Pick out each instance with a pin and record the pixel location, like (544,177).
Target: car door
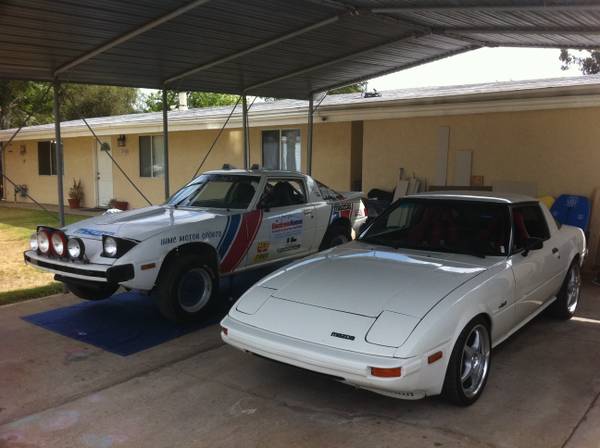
(288,225)
(534,270)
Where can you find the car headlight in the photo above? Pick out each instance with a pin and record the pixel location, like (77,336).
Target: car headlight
(59,243)
(110,247)
(33,241)
(43,240)
(76,248)
(113,247)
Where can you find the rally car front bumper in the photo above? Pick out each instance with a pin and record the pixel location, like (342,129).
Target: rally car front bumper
(97,273)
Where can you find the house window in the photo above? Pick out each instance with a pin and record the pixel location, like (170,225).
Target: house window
(47,158)
(281,149)
(151,156)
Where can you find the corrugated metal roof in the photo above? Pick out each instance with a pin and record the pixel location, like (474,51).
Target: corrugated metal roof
(274,48)
(580,85)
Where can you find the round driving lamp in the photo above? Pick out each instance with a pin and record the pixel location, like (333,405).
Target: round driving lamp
(33,241)
(75,248)
(59,243)
(110,247)
(43,241)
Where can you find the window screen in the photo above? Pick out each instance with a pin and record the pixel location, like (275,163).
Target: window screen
(281,149)
(151,156)
(47,158)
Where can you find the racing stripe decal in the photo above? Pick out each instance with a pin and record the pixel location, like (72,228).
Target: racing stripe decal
(243,240)
(231,228)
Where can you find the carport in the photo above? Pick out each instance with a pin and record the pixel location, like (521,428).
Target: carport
(269,48)
(187,392)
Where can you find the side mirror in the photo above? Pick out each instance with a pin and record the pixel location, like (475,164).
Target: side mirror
(532,244)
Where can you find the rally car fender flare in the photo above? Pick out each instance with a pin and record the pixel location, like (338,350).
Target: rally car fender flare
(199,248)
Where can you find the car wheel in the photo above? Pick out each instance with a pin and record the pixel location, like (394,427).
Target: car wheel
(91,292)
(187,289)
(566,302)
(469,364)
(336,235)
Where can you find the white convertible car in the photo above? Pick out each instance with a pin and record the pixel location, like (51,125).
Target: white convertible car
(415,305)
(221,223)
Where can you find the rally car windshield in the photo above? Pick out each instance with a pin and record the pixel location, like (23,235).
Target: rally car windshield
(217,191)
(467,227)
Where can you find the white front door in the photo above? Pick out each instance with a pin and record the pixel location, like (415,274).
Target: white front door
(288,224)
(104,177)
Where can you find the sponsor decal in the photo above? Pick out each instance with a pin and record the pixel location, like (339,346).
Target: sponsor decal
(93,232)
(261,257)
(189,237)
(168,240)
(341,210)
(287,225)
(348,337)
(263,247)
(291,243)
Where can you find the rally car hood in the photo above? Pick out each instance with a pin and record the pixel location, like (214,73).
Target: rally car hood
(141,223)
(367,280)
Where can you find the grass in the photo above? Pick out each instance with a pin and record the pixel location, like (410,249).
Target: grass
(18,281)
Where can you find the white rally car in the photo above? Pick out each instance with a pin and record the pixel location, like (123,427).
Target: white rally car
(414,306)
(221,223)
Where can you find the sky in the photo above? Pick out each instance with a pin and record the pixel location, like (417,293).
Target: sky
(483,65)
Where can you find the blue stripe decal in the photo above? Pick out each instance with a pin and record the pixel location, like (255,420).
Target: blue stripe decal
(223,235)
(233,224)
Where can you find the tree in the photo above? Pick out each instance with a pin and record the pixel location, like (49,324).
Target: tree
(153,101)
(352,88)
(589,62)
(20,99)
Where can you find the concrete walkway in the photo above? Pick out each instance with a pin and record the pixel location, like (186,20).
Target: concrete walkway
(194,392)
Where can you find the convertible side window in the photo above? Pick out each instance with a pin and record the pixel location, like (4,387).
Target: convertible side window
(528,222)
(282,193)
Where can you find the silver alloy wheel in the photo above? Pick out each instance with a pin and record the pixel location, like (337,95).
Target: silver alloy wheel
(475,361)
(573,288)
(194,290)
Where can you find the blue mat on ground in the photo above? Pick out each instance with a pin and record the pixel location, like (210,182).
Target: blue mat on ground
(124,324)
(129,322)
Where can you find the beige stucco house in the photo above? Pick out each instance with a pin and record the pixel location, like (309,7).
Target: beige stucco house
(543,133)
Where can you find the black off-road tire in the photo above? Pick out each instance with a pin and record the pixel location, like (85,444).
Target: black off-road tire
(92,292)
(453,390)
(173,289)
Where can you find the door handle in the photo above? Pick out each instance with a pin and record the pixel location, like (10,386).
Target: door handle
(308,212)
(554,250)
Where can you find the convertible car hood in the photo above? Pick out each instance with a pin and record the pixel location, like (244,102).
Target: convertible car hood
(139,224)
(367,280)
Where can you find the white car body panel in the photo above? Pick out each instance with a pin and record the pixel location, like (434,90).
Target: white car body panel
(241,238)
(357,306)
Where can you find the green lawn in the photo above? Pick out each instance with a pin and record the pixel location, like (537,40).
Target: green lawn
(18,281)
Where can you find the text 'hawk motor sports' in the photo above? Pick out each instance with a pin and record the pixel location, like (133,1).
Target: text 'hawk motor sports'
(221,223)
(415,305)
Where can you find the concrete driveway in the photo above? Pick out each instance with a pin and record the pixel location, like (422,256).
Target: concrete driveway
(194,391)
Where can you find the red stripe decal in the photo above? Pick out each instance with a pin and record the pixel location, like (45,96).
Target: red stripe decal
(243,240)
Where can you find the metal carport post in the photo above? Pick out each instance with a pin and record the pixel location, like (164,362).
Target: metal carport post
(246,134)
(165,112)
(309,136)
(59,154)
